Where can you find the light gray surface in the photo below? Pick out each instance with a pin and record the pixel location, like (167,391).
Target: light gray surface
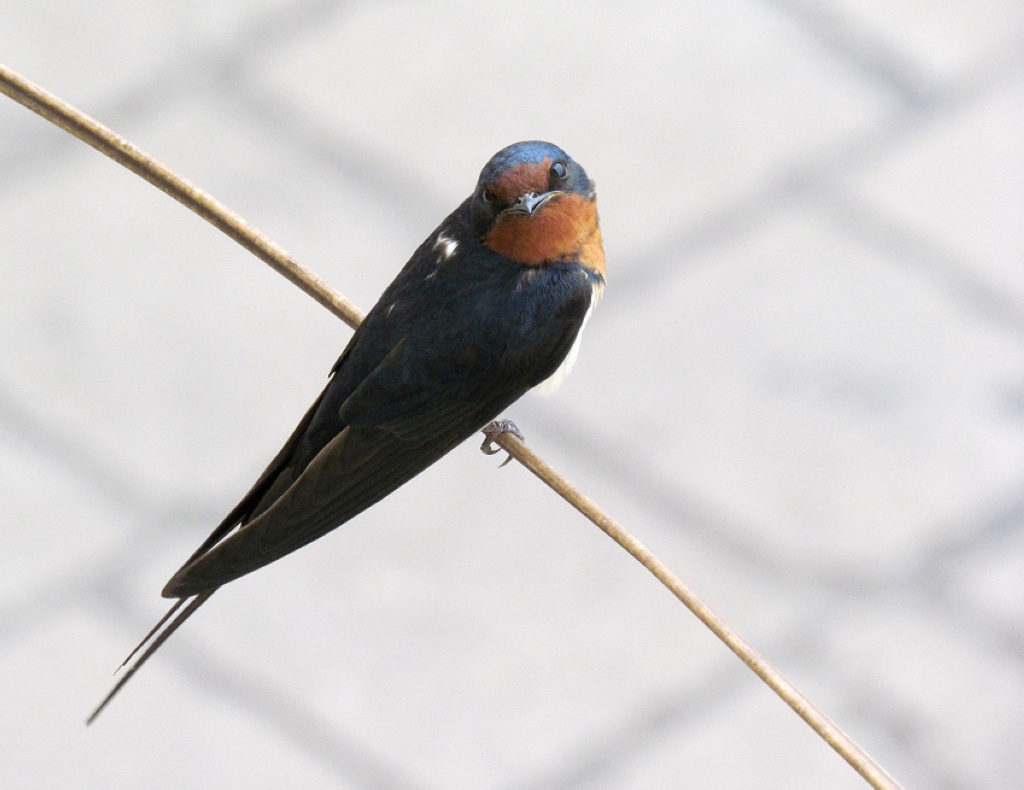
(804,389)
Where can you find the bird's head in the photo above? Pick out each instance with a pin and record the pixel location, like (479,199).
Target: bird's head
(535,205)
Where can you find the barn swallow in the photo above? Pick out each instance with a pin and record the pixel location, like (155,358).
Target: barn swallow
(491,305)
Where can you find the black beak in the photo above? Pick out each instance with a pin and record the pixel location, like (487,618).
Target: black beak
(530,202)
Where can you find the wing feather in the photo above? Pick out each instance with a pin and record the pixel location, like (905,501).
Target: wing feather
(419,401)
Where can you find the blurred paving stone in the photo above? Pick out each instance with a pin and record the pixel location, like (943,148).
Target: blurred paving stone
(880,725)
(743,743)
(48,680)
(749,587)
(85,53)
(991,580)
(945,39)
(55,527)
(801,410)
(88,53)
(466,626)
(960,182)
(663,129)
(964,695)
(171,348)
(842,408)
(448,583)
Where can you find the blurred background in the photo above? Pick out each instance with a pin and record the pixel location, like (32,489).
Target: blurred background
(804,390)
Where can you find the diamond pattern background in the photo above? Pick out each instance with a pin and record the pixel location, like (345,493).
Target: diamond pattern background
(804,389)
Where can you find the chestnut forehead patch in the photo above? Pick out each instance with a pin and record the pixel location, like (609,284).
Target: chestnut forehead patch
(522,178)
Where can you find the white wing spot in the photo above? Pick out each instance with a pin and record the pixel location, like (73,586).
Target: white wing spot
(447,245)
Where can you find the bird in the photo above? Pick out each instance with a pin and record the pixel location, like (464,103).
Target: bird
(491,305)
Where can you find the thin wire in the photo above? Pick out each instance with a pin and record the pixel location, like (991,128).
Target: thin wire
(213,211)
(819,722)
(120,150)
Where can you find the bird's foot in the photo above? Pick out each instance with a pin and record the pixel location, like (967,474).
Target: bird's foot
(493,430)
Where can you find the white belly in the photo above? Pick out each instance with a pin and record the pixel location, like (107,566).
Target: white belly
(552,383)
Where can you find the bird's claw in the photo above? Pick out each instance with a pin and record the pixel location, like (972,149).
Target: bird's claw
(493,430)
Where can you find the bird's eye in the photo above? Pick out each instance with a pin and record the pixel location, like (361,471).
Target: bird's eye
(489,197)
(559,170)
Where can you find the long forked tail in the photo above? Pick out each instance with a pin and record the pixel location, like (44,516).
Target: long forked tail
(158,639)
